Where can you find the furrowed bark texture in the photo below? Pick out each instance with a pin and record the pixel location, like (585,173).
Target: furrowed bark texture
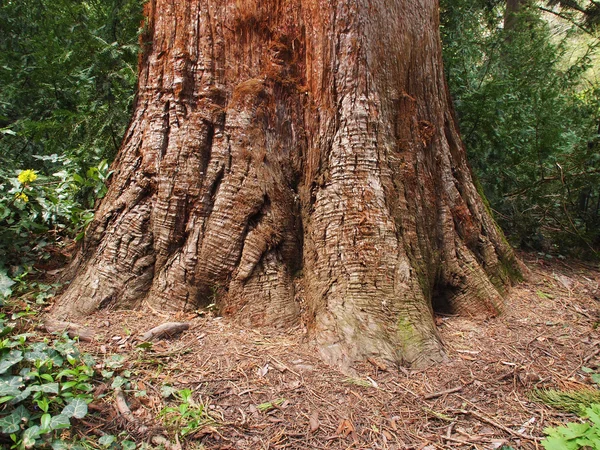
(278,140)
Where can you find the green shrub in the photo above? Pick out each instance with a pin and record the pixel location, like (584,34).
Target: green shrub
(44,385)
(528,113)
(36,210)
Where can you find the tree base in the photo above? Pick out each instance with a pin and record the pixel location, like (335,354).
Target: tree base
(270,138)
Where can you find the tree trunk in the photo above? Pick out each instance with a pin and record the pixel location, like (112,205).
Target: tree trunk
(278,145)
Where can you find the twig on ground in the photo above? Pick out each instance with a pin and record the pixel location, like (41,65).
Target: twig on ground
(589,357)
(444,392)
(498,425)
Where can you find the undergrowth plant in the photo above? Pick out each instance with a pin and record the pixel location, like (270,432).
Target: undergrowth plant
(189,416)
(576,401)
(575,436)
(38,210)
(44,385)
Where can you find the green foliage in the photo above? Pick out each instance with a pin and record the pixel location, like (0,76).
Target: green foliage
(189,416)
(112,442)
(529,119)
(572,401)
(44,385)
(60,203)
(67,77)
(67,72)
(575,436)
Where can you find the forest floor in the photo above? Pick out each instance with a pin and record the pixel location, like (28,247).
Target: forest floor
(267,390)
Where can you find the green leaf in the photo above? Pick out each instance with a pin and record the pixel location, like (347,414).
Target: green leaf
(30,435)
(43,403)
(45,423)
(558,443)
(76,408)
(10,424)
(9,360)
(5,285)
(6,398)
(78,178)
(59,422)
(593,412)
(128,445)
(574,430)
(47,377)
(107,440)
(11,386)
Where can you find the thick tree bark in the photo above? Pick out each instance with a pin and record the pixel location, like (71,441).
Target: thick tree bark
(278,144)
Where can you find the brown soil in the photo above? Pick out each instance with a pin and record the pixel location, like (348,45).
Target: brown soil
(547,333)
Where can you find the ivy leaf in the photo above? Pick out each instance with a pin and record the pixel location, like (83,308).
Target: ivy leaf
(107,440)
(118,382)
(59,444)
(36,355)
(167,391)
(60,421)
(77,408)
(30,435)
(9,360)
(11,386)
(5,285)
(128,445)
(10,424)
(49,388)
(22,396)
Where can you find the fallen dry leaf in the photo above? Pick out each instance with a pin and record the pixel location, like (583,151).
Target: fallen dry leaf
(345,428)
(313,422)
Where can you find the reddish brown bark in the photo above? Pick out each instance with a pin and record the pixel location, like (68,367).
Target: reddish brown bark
(296,143)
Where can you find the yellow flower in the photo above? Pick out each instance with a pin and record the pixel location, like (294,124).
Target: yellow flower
(22,196)
(27,176)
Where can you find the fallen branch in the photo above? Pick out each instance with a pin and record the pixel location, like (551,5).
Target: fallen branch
(440,393)
(73,330)
(458,441)
(168,329)
(498,425)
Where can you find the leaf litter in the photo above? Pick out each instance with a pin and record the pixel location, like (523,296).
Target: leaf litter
(269,390)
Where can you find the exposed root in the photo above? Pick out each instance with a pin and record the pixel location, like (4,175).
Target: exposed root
(168,330)
(73,330)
